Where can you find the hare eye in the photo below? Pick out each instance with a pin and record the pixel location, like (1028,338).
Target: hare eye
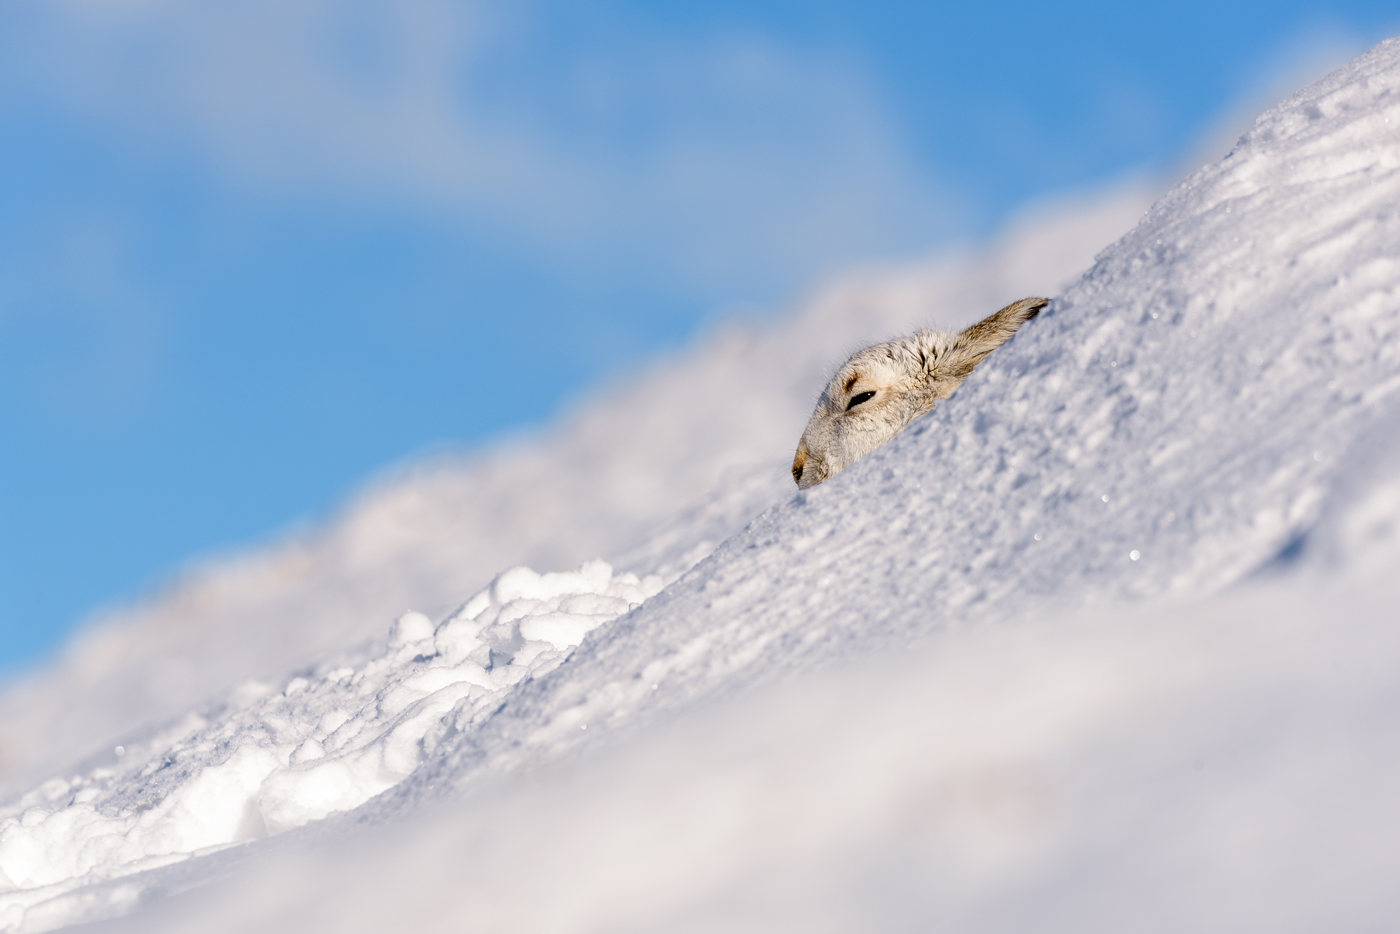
(858,398)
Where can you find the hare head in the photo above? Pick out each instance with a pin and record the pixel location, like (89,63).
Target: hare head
(884,387)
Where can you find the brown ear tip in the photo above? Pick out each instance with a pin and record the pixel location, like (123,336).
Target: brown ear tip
(1035,306)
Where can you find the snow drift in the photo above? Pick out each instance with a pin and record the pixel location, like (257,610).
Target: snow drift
(963,683)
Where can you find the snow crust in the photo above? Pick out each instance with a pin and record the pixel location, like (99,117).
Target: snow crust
(1104,642)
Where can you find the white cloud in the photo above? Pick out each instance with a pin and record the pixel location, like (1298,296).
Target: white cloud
(715,160)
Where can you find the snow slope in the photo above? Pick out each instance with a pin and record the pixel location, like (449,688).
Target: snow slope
(970,681)
(1228,769)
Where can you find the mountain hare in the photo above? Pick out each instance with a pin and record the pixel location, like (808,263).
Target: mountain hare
(886,386)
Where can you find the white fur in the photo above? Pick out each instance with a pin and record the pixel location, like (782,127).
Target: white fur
(884,387)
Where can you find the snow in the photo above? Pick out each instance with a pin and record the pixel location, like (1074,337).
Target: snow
(1104,642)
(328,741)
(1135,769)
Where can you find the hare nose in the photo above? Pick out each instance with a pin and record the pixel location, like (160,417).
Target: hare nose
(798,461)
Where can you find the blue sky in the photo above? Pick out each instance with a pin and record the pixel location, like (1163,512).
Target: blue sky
(253,251)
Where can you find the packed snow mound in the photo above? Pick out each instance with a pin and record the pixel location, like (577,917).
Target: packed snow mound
(269,759)
(699,444)
(1182,418)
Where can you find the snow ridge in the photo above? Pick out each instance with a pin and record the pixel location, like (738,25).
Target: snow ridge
(1173,424)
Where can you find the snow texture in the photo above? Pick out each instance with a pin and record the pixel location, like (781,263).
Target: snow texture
(1104,642)
(264,762)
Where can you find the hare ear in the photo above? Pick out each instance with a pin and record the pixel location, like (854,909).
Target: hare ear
(976,343)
